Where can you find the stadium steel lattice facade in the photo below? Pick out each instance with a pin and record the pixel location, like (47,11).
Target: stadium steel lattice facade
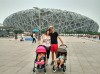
(42,18)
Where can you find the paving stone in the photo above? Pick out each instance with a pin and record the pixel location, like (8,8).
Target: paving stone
(18,57)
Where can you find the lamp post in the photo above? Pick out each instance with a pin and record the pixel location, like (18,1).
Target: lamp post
(38,18)
(41,12)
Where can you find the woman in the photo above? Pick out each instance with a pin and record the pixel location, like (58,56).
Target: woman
(45,39)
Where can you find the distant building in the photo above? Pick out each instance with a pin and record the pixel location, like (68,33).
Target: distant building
(2,31)
(63,21)
(1,24)
(5,31)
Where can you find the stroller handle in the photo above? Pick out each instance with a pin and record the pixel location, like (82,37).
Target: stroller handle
(64,45)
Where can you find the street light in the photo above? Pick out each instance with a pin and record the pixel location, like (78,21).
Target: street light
(39,17)
(41,12)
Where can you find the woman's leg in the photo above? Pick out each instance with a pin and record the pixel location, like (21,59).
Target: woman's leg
(47,61)
(48,53)
(47,56)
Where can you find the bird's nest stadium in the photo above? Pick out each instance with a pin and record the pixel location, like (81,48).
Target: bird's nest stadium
(62,20)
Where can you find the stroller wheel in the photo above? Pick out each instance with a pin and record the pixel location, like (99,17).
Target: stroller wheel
(54,70)
(64,68)
(33,69)
(45,70)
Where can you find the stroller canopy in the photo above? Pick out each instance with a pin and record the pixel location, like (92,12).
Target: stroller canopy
(41,49)
(62,50)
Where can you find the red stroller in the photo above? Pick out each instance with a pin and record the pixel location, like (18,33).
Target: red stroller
(40,59)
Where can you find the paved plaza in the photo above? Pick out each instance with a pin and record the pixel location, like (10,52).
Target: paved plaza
(18,57)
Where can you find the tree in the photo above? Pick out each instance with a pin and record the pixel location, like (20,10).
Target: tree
(18,31)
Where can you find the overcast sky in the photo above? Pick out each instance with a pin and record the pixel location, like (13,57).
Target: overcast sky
(89,8)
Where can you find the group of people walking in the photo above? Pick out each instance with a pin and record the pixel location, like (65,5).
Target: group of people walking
(49,40)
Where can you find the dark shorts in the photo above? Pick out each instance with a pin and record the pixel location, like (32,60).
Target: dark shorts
(54,47)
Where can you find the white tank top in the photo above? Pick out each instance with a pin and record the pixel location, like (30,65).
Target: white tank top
(47,41)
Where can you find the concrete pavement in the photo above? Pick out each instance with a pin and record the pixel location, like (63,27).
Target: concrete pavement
(17,57)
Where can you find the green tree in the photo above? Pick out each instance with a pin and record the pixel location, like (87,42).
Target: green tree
(18,31)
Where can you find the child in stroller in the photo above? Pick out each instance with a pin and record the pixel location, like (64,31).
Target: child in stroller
(40,58)
(61,58)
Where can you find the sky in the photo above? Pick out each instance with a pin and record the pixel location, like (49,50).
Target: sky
(89,8)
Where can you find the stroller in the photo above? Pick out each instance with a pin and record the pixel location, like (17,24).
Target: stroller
(61,51)
(39,63)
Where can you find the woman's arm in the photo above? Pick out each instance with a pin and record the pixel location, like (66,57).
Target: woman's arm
(60,40)
(42,39)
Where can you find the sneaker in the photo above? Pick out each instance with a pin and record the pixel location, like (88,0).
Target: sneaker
(52,62)
(54,71)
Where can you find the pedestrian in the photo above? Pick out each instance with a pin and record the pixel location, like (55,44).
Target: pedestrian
(54,43)
(45,40)
(16,37)
(99,37)
(22,35)
(33,37)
